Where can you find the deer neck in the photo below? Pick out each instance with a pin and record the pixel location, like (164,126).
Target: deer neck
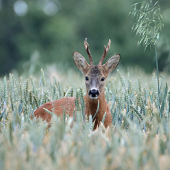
(92,105)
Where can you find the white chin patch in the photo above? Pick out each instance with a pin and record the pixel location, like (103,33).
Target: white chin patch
(93,97)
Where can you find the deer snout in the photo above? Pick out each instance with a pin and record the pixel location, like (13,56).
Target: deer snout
(93,93)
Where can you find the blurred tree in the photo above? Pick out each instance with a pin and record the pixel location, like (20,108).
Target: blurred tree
(56,28)
(10,27)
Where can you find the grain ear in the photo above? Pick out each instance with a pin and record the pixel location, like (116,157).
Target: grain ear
(80,62)
(112,63)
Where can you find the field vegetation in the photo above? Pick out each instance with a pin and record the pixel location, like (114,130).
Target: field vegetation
(138,137)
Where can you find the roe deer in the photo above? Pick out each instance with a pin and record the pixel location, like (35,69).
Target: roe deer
(95,76)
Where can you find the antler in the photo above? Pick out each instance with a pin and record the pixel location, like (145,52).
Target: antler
(105,52)
(88,51)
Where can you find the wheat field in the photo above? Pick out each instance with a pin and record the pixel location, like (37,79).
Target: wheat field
(139,137)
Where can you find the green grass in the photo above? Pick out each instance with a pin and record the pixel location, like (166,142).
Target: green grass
(138,138)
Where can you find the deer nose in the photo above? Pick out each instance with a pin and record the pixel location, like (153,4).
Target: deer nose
(93,93)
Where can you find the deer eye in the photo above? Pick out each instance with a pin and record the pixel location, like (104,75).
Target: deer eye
(102,79)
(86,78)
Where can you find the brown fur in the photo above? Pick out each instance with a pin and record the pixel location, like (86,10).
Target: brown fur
(68,105)
(91,108)
(57,107)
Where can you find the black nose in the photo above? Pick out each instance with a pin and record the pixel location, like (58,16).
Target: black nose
(93,93)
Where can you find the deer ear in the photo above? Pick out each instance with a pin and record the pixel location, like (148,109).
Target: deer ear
(112,63)
(80,62)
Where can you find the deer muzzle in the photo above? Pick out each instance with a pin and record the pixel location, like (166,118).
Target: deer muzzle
(93,93)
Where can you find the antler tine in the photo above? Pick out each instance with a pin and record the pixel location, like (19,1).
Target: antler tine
(86,45)
(105,52)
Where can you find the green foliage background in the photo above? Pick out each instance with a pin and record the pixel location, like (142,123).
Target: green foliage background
(39,38)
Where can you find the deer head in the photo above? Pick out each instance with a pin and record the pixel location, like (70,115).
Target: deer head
(95,75)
